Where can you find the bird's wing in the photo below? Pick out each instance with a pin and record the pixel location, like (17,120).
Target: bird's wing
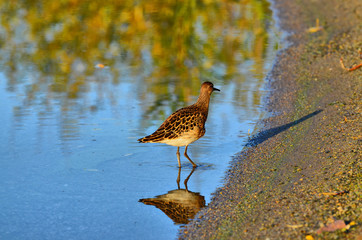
(183,120)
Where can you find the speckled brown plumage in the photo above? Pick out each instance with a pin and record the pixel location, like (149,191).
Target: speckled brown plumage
(186,125)
(182,121)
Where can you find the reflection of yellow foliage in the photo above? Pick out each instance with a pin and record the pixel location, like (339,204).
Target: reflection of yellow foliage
(138,18)
(207,64)
(178,40)
(156,49)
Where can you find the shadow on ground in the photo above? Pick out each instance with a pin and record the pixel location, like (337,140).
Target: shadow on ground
(266,134)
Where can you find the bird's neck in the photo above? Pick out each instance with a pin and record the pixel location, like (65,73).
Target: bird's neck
(203,101)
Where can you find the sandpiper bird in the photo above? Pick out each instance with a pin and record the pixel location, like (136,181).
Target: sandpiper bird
(186,125)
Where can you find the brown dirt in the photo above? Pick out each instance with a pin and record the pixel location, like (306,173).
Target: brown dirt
(302,170)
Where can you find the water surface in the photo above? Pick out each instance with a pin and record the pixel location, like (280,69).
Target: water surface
(81,81)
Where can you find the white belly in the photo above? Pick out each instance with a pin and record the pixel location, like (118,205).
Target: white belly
(184,139)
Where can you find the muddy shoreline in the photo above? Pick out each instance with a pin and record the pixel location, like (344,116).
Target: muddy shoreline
(302,171)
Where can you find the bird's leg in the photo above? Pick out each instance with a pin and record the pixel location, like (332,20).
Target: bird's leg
(178,157)
(185,153)
(187,179)
(178,178)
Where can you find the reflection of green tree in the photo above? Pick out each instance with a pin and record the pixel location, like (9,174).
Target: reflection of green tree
(178,42)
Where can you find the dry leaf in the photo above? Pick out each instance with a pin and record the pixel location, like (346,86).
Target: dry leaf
(335,193)
(295,226)
(339,224)
(316,28)
(309,237)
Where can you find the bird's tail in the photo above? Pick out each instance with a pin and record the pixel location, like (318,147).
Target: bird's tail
(142,140)
(153,138)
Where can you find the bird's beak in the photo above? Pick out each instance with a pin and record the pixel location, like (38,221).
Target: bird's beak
(215,89)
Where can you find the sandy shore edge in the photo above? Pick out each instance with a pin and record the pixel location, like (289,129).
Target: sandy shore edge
(301,174)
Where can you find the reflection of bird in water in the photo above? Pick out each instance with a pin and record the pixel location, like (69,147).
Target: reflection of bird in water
(186,125)
(180,205)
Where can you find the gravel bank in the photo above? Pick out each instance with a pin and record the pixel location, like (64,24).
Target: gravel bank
(302,171)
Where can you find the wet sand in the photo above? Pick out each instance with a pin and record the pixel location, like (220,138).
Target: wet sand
(302,170)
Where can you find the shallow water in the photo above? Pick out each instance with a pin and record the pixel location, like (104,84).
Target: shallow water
(81,81)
